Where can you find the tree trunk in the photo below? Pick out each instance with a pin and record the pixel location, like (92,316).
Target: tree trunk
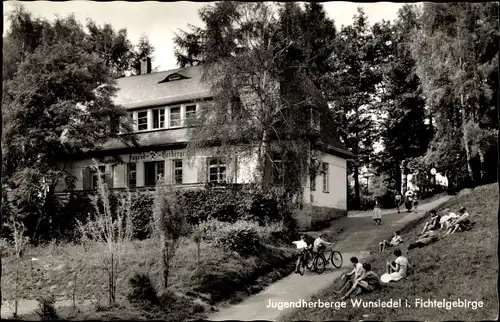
(465,138)
(263,150)
(1,264)
(356,186)
(481,165)
(398,177)
(498,157)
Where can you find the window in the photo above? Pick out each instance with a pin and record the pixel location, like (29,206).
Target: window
(175,116)
(158,119)
(142,121)
(217,171)
(95,180)
(131,175)
(190,113)
(324,168)
(177,167)
(277,168)
(174,77)
(313,183)
(153,171)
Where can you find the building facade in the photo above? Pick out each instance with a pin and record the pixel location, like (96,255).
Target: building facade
(161,106)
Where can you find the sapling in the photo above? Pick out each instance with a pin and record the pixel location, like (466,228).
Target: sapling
(20,242)
(169,225)
(110,227)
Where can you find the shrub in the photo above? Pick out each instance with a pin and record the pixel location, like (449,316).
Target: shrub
(241,237)
(142,214)
(228,205)
(142,291)
(46,309)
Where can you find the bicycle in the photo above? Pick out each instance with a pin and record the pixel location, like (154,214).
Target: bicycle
(336,258)
(319,262)
(305,260)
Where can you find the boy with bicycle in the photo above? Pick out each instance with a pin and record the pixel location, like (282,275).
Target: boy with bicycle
(302,247)
(320,244)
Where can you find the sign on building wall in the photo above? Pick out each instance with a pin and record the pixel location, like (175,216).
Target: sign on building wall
(156,155)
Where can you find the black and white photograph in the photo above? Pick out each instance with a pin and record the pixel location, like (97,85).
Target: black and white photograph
(250,161)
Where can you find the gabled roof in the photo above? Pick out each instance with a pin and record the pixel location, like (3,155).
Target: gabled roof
(150,89)
(156,89)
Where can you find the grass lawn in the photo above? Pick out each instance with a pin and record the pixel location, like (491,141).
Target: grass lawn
(459,266)
(221,276)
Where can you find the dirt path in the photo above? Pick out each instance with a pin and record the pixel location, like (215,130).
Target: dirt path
(358,238)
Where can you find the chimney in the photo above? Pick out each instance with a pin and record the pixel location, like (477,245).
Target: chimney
(145,66)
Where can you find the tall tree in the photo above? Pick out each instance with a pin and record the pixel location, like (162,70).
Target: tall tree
(143,49)
(404,131)
(352,84)
(255,62)
(112,46)
(457,52)
(57,103)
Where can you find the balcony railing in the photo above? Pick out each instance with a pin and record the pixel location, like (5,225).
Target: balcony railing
(218,186)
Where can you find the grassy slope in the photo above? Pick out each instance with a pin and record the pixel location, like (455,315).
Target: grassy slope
(222,275)
(462,265)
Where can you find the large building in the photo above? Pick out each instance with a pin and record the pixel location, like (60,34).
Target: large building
(161,105)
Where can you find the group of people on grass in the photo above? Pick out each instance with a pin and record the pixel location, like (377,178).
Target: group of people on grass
(445,224)
(362,278)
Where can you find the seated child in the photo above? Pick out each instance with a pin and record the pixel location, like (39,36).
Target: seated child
(425,239)
(353,275)
(446,220)
(396,240)
(461,223)
(396,270)
(432,224)
(367,282)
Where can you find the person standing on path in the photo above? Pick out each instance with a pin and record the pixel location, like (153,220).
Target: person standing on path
(377,214)
(398,200)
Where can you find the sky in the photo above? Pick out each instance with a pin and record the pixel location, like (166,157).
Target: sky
(161,20)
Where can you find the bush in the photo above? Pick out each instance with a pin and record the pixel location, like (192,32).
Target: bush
(142,291)
(231,204)
(142,214)
(235,203)
(241,237)
(46,309)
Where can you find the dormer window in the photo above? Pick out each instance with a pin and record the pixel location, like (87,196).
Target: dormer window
(173,77)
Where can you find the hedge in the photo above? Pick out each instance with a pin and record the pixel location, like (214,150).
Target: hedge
(227,205)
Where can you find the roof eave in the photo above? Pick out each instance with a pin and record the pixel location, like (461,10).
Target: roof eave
(336,151)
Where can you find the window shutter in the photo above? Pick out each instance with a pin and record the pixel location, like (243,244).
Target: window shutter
(202,169)
(86,178)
